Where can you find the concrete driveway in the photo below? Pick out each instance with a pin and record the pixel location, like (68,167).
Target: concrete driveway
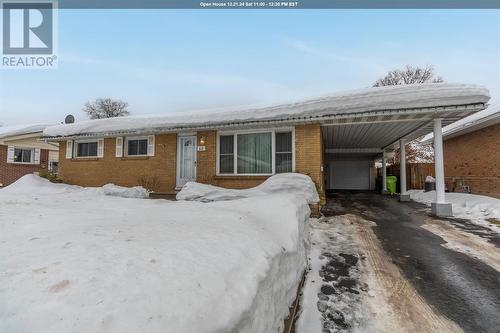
(414,273)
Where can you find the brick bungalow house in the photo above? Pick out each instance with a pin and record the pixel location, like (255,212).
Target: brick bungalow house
(337,135)
(472,153)
(22,152)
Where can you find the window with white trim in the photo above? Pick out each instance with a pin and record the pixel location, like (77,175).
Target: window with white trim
(22,155)
(86,149)
(283,152)
(255,153)
(136,146)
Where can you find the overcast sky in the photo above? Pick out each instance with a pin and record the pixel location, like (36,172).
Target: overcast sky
(175,61)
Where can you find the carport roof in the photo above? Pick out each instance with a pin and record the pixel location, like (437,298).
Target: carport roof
(409,107)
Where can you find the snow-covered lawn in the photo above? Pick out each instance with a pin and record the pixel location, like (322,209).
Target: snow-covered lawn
(476,208)
(77,260)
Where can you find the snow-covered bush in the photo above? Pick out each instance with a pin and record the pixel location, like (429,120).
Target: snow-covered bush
(125,192)
(285,183)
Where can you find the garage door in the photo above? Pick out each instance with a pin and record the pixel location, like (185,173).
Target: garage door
(349,175)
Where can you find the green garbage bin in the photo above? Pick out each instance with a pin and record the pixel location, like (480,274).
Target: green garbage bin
(391,184)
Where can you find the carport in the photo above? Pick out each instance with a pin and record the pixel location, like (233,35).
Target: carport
(353,141)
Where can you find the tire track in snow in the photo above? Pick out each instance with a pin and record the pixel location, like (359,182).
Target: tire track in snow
(394,303)
(383,299)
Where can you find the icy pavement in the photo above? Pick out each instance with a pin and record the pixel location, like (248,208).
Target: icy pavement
(353,286)
(476,245)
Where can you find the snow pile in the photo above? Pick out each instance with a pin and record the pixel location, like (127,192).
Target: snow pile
(477,208)
(125,192)
(285,183)
(33,184)
(77,260)
(12,130)
(364,100)
(430,179)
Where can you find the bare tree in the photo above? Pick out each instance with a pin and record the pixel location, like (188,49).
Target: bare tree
(408,75)
(106,108)
(415,153)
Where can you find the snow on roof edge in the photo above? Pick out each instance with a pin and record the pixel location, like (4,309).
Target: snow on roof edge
(365,100)
(24,129)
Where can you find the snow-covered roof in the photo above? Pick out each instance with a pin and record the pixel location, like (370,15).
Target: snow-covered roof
(358,101)
(14,130)
(476,121)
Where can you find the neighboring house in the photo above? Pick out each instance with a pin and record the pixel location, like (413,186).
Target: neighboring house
(22,152)
(472,153)
(335,138)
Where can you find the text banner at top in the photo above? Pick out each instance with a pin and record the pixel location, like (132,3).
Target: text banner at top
(299,4)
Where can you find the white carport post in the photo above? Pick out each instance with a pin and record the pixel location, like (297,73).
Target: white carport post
(440,207)
(384,172)
(403,196)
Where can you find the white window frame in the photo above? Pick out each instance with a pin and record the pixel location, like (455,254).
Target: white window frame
(125,145)
(32,155)
(75,148)
(235,133)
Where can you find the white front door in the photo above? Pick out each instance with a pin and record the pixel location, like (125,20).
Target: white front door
(186,160)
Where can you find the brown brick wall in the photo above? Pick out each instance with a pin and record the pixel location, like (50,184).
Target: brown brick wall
(309,154)
(10,172)
(129,171)
(158,170)
(205,160)
(473,159)
(206,167)
(308,160)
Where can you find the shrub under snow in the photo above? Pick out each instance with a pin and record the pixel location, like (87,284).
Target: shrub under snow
(285,183)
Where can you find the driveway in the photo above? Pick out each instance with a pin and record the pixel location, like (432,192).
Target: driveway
(415,273)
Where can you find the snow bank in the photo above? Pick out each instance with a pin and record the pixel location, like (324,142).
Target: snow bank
(370,99)
(285,183)
(76,260)
(476,208)
(125,192)
(35,185)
